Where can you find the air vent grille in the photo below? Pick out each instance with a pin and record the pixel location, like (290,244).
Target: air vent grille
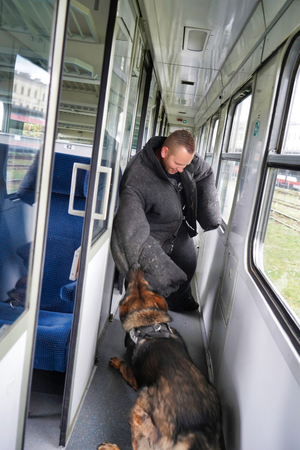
(188,83)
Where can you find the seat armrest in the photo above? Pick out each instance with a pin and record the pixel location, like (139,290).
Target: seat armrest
(67,292)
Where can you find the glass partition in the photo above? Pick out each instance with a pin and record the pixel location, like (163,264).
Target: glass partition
(24,88)
(116,107)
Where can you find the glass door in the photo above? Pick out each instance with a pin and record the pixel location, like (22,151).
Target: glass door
(29,89)
(103,182)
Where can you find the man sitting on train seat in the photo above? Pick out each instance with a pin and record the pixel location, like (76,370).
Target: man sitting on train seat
(165,188)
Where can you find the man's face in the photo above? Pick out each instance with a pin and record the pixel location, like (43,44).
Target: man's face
(175,160)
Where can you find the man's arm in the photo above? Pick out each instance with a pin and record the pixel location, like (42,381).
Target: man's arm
(208,205)
(131,243)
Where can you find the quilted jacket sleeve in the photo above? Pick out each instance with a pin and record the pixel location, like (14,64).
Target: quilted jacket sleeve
(131,243)
(208,205)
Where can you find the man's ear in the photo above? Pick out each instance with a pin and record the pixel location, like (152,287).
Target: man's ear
(164,151)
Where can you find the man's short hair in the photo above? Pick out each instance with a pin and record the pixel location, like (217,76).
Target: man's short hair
(182,138)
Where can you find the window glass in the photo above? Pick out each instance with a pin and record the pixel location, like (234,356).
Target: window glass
(159,119)
(230,167)
(239,126)
(214,136)
(226,186)
(24,81)
(281,249)
(291,143)
(116,109)
(150,110)
(201,144)
(208,159)
(139,112)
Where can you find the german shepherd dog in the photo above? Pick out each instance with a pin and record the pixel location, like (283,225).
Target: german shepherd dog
(177,408)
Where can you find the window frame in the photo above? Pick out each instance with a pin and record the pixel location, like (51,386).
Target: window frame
(274,159)
(237,98)
(209,149)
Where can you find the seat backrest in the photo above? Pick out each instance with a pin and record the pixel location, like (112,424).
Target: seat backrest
(64,229)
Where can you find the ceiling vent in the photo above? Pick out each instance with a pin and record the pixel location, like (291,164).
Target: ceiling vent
(181,112)
(195,39)
(188,83)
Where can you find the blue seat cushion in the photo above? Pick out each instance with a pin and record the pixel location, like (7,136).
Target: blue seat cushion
(58,263)
(8,314)
(53,336)
(52,343)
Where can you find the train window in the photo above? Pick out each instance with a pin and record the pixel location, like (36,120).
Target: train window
(202,140)
(116,107)
(276,237)
(214,136)
(150,110)
(277,242)
(230,160)
(291,143)
(239,125)
(23,72)
(132,101)
(281,246)
(209,154)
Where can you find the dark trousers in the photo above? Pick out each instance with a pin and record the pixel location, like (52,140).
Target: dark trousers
(185,256)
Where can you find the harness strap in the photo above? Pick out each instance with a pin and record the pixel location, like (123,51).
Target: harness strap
(156,331)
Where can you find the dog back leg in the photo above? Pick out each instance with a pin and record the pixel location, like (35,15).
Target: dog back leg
(125,370)
(144,433)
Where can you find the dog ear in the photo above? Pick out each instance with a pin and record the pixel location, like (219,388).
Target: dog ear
(161,302)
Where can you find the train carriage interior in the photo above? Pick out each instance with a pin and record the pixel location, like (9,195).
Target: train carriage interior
(84,84)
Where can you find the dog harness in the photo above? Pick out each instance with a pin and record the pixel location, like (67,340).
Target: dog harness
(156,331)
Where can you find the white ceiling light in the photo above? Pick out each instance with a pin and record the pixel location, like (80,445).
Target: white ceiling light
(195,39)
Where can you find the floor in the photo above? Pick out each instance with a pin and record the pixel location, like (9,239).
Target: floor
(103,416)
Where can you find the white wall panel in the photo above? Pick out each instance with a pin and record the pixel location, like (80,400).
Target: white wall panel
(217,342)
(271,8)
(11,374)
(215,89)
(245,72)
(256,384)
(199,116)
(282,29)
(207,275)
(88,328)
(246,42)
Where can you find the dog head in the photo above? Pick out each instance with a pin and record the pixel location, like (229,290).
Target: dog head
(139,297)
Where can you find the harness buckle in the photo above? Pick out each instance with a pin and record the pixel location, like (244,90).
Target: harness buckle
(133,336)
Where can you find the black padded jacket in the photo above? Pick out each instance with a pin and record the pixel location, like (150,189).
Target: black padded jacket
(150,214)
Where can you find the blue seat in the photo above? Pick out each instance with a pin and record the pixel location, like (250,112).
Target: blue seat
(53,336)
(64,230)
(63,238)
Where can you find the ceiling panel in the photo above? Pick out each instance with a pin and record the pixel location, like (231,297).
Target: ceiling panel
(165,22)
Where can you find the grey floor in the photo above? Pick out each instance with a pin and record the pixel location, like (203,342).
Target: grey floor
(104,414)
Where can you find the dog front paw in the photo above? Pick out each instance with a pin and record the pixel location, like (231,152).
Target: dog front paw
(115,362)
(105,446)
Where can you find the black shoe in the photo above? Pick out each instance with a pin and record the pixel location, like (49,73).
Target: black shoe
(189,304)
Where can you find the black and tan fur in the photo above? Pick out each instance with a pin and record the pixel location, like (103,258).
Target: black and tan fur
(176,408)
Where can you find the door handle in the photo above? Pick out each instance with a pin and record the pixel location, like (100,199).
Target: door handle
(108,171)
(71,210)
